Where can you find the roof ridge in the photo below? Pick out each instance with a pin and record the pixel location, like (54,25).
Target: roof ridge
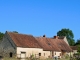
(20,40)
(18,33)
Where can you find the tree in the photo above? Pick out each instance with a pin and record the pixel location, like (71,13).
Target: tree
(78,45)
(15,31)
(1,35)
(78,49)
(69,35)
(78,42)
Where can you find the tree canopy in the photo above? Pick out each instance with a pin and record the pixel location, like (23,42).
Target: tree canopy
(78,42)
(69,35)
(15,31)
(1,35)
(78,45)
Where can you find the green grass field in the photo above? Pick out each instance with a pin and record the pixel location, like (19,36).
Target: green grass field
(6,58)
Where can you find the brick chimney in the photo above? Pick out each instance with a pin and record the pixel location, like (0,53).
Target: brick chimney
(56,37)
(44,35)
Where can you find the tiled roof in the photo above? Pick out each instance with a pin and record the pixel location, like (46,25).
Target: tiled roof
(62,45)
(61,37)
(58,37)
(53,44)
(22,40)
(74,47)
(47,44)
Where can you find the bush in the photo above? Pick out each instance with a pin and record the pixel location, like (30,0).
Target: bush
(66,56)
(77,56)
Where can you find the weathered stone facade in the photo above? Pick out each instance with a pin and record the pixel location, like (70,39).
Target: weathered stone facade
(7,46)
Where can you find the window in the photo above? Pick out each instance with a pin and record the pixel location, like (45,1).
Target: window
(44,54)
(39,54)
(55,53)
(23,52)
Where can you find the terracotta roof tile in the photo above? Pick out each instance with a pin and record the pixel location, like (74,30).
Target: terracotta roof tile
(74,47)
(62,45)
(47,44)
(61,37)
(22,40)
(53,44)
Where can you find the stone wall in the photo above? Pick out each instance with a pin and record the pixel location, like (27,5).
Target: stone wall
(7,46)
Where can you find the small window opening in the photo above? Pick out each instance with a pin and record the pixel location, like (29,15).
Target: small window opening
(44,54)
(55,53)
(39,54)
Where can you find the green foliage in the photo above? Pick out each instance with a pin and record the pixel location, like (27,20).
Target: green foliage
(78,45)
(32,57)
(15,31)
(78,42)
(66,56)
(77,56)
(69,35)
(78,49)
(1,35)
(71,42)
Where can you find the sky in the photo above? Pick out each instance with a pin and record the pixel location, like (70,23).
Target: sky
(39,17)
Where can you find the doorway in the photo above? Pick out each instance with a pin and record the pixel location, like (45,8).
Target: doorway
(23,54)
(11,54)
(39,54)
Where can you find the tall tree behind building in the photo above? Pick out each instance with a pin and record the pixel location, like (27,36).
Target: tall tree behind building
(15,31)
(78,45)
(69,35)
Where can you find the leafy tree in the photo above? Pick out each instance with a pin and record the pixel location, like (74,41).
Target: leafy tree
(79,49)
(72,42)
(1,35)
(78,42)
(69,35)
(78,45)
(15,31)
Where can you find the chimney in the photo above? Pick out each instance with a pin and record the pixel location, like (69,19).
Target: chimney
(56,37)
(44,35)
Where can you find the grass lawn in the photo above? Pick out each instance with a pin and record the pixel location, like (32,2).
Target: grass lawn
(6,58)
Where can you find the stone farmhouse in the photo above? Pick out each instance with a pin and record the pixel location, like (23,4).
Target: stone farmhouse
(23,45)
